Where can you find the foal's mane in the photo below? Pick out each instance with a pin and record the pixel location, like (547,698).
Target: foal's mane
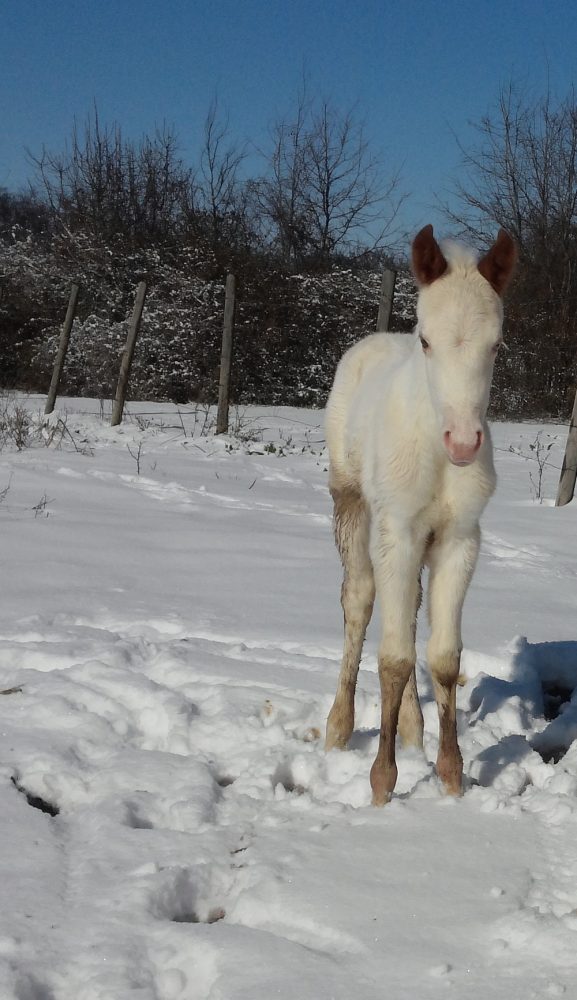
(460,258)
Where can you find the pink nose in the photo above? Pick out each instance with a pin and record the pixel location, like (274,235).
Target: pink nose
(462,452)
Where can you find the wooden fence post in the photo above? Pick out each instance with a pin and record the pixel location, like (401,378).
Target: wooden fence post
(62,349)
(226,356)
(127,355)
(569,470)
(386,300)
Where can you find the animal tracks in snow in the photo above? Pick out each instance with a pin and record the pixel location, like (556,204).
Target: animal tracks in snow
(502,551)
(198,814)
(152,756)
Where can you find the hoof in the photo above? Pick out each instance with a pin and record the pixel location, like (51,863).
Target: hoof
(450,788)
(334,742)
(450,773)
(379,800)
(383,781)
(339,729)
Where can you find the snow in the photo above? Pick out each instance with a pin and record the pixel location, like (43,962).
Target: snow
(169,646)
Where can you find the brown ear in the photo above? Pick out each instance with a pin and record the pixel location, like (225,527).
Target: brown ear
(498,264)
(428,261)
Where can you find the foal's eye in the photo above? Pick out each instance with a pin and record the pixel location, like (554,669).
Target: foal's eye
(424,343)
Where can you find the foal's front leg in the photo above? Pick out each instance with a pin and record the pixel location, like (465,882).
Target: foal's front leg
(452,562)
(397,561)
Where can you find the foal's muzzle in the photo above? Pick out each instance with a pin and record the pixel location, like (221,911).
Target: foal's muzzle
(462,452)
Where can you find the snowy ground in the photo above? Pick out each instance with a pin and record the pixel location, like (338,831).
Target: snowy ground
(170,824)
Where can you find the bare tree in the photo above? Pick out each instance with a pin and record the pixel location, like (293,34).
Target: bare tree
(108,185)
(218,192)
(347,195)
(281,196)
(324,192)
(522,175)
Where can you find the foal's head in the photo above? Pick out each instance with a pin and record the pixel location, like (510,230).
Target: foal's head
(460,314)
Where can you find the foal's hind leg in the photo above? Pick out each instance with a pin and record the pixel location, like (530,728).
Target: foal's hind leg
(351,519)
(411,716)
(410,726)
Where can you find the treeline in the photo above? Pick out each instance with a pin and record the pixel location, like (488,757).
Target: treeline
(302,239)
(307,240)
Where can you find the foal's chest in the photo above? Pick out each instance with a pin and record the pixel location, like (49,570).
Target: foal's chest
(454,500)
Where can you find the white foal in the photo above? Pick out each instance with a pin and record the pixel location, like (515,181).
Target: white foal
(411,470)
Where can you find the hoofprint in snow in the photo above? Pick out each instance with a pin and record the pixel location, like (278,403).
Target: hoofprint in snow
(171,827)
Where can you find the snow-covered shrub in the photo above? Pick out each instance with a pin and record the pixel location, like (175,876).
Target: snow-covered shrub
(290,329)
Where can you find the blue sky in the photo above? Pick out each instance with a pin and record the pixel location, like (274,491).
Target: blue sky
(416,70)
